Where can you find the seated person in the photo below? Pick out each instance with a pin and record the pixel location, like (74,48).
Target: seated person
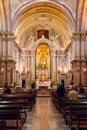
(33,85)
(81,90)
(7,90)
(73,94)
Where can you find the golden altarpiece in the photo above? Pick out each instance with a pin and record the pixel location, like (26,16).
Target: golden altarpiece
(42,61)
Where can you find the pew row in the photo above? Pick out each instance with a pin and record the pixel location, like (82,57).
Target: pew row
(11,113)
(27,97)
(18,103)
(75,113)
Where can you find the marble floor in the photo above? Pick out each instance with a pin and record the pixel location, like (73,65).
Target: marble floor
(44,116)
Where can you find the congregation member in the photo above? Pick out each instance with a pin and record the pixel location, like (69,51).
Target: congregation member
(61,90)
(7,90)
(73,94)
(81,90)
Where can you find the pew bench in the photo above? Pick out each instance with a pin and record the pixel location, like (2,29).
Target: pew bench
(82,120)
(29,98)
(78,116)
(11,113)
(23,104)
(66,108)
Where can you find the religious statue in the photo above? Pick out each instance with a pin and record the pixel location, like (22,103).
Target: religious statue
(43,57)
(62,70)
(23,69)
(43,77)
(43,62)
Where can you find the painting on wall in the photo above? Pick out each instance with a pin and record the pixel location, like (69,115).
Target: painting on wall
(40,33)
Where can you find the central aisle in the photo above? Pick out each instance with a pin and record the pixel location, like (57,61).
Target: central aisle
(44,116)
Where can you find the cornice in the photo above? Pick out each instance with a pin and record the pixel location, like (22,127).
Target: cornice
(6,33)
(11,61)
(74,61)
(80,33)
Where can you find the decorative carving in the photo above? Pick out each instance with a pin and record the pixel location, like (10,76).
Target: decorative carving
(43,57)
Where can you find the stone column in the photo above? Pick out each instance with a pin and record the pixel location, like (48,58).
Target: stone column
(32,66)
(53,66)
(7,60)
(76,59)
(1,47)
(85,61)
(29,70)
(79,60)
(57,69)
(6,44)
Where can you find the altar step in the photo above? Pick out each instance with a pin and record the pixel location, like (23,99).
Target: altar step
(43,93)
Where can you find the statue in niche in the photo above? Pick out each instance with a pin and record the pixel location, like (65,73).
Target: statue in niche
(23,69)
(43,57)
(43,62)
(63,70)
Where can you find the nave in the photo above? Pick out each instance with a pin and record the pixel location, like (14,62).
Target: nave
(44,116)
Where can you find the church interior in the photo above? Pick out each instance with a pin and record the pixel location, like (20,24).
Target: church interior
(42,42)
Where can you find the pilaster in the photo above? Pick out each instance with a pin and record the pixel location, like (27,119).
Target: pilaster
(53,65)
(6,57)
(79,62)
(32,65)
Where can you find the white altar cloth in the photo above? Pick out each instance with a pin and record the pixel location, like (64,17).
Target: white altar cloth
(45,83)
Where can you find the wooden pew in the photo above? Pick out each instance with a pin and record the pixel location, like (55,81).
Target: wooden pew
(10,112)
(78,116)
(23,103)
(65,102)
(82,120)
(70,114)
(29,98)
(13,102)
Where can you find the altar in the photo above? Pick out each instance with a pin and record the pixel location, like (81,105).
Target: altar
(43,84)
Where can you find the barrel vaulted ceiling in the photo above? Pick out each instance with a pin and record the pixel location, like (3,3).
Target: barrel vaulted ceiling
(57,16)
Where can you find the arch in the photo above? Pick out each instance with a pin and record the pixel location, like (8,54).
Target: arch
(26,18)
(79,17)
(84,17)
(28,5)
(43,40)
(5,22)
(2,17)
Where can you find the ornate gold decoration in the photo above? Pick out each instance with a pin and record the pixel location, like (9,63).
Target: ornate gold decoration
(43,57)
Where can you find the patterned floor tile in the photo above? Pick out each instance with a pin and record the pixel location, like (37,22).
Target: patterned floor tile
(44,116)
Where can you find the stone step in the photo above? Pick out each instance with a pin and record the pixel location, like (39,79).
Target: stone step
(43,93)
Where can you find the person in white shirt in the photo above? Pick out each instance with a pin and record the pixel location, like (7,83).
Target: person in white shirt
(73,94)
